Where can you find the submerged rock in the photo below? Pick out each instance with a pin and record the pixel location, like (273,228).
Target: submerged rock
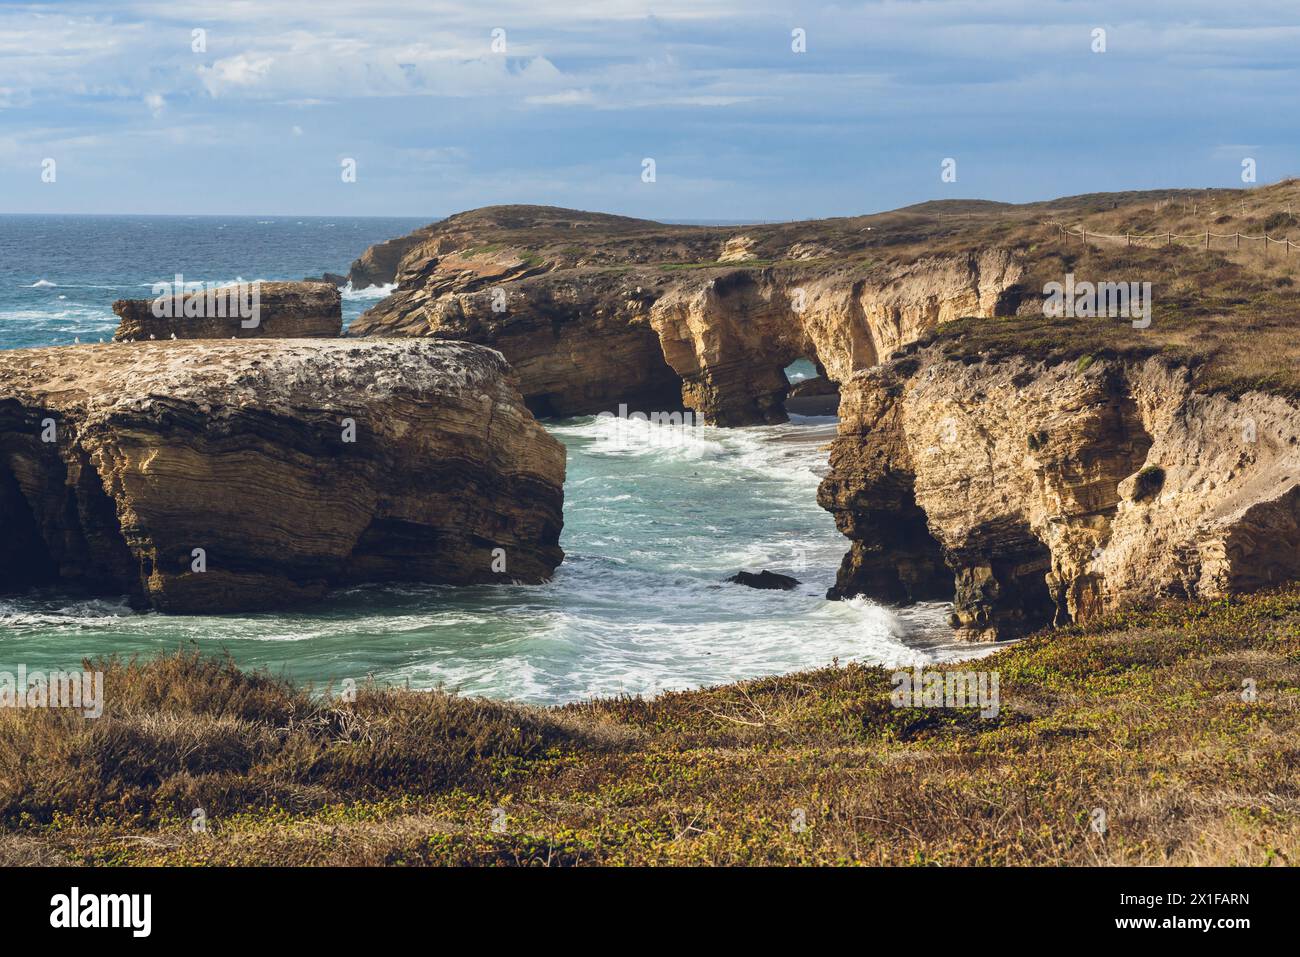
(232,476)
(278,310)
(765,580)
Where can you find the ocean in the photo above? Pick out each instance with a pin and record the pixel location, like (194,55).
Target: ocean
(653,522)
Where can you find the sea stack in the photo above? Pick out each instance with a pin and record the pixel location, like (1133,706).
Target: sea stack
(258,310)
(235,476)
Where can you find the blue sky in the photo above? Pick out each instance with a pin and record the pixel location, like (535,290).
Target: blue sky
(738,124)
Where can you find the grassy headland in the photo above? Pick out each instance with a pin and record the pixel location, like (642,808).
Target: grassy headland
(1144,717)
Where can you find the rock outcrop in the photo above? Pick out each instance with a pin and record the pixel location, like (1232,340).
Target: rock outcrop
(588,327)
(228,476)
(978,462)
(1034,494)
(729,337)
(764,580)
(578,347)
(378,265)
(261,310)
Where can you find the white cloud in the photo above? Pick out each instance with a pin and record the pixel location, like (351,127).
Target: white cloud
(236,72)
(883,82)
(563,98)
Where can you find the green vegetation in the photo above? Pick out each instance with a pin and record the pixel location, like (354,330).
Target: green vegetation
(485,249)
(1144,716)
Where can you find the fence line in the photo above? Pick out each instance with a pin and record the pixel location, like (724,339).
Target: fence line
(1173,238)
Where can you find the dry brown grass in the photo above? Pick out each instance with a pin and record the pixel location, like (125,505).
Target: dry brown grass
(185,731)
(1141,716)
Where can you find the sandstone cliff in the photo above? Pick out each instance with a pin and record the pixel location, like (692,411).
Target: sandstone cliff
(378,265)
(1056,492)
(294,465)
(624,314)
(280,310)
(1035,469)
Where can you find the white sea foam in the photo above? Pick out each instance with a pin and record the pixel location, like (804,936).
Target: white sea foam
(639,606)
(368,292)
(614,436)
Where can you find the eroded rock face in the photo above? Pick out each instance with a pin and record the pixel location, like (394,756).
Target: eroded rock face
(579,346)
(815,396)
(1055,494)
(283,310)
(585,337)
(378,265)
(295,465)
(730,337)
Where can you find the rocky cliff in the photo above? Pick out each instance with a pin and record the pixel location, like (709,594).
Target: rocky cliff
(1033,469)
(277,310)
(730,336)
(378,265)
(225,476)
(1043,493)
(593,324)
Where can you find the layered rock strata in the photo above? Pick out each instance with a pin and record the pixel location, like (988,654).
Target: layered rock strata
(1036,494)
(378,265)
(233,476)
(715,340)
(261,310)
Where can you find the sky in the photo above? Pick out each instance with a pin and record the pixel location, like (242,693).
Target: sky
(443,106)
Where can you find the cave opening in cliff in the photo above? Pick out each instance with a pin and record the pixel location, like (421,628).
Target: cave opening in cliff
(25,561)
(809,391)
(1002,589)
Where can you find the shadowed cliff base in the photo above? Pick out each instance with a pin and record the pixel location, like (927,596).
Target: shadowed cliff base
(1175,730)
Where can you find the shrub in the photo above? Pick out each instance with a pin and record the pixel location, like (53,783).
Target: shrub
(1149,483)
(184,731)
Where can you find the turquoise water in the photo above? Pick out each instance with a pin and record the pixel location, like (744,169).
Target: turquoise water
(655,518)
